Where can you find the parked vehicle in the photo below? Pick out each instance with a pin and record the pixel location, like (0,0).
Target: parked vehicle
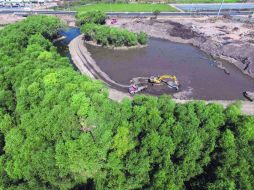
(134,88)
(113,21)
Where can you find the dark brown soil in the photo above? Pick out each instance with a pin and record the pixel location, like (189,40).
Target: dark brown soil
(181,31)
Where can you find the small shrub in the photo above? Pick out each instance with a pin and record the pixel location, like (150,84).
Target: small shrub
(156,13)
(88,31)
(106,35)
(130,38)
(142,38)
(115,37)
(101,35)
(97,17)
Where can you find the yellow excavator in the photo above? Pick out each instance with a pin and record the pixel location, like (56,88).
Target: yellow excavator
(170,80)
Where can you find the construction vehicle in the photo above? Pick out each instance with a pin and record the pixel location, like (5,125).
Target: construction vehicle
(135,88)
(170,80)
(139,84)
(113,21)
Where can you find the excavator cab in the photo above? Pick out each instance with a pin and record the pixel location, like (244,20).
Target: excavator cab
(170,80)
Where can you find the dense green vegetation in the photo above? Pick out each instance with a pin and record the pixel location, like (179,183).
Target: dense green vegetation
(96,17)
(92,27)
(59,130)
(140,6)
(109,7)
(111,36)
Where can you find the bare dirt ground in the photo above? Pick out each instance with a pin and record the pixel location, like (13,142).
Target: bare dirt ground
(219,37)
(68,19)
(9,19)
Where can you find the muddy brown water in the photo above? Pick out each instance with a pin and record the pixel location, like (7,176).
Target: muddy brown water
(198,75)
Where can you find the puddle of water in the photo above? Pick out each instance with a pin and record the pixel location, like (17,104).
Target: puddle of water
(70,34)
(193,68)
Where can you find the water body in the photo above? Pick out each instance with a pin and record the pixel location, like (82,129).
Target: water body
(62,45)
(198,75)
(69,34)
(196,72)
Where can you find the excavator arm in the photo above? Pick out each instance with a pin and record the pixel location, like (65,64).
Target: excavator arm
(173,83)
(163,77)
(159,79)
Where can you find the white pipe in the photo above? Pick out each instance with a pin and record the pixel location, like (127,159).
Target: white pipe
(220,8)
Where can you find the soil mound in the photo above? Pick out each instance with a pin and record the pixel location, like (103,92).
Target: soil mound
(181,31)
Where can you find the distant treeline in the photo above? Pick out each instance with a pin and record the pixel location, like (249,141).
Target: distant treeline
(59,129)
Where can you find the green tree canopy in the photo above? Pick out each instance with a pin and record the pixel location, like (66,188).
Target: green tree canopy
(59,129)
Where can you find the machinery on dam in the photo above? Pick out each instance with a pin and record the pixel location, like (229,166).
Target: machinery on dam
(139,84)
